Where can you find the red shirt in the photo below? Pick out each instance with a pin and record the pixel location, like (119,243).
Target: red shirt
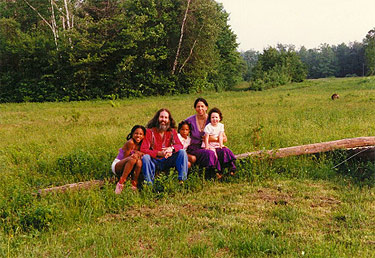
(153,142)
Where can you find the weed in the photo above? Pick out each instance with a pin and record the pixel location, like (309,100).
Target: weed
(74,117)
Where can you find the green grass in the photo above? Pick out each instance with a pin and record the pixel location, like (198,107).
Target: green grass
(297,206)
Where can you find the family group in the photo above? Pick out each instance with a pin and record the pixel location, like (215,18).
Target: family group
(198,140)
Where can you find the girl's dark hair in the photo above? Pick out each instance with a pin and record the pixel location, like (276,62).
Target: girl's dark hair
(215,110)
(200,100)
(133,130)
(154,122)
(184,122)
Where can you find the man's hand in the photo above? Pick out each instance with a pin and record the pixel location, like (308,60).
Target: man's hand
(167,152)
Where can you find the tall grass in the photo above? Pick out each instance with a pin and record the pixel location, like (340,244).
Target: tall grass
(288,207)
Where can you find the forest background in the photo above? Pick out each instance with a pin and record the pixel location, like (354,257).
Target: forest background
(65,50)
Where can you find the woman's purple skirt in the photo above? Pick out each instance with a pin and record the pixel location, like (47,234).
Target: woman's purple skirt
(208,159)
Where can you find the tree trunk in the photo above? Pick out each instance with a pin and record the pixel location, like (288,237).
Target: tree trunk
(191,52)
(69,23)
(54,25)
(312,148)
(181,37)
(55,35)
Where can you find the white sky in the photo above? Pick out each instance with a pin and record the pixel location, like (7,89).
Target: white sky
(262,23)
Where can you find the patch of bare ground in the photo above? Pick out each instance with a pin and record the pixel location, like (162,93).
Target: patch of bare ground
(167,211)
(323,201)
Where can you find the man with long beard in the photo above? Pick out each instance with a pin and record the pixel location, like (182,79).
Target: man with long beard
(162,147)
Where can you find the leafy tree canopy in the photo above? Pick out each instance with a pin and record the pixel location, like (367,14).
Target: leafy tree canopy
(86,49)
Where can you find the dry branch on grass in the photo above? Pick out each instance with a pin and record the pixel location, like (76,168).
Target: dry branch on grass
(74,186)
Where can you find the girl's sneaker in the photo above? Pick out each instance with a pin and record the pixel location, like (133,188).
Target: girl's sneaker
(134,185)
(119,188)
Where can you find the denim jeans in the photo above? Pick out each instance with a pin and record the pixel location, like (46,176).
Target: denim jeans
(179,160)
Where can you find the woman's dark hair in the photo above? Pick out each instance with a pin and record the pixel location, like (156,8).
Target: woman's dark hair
(184,122)
(215,110)
(200,100)
(133,130)
(154,122)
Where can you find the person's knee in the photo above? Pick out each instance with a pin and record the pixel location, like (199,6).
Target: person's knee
(133,161)
(146,158)
(192,159)
(138,163)
(182,152)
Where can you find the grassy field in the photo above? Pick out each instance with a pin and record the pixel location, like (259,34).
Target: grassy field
(298,206)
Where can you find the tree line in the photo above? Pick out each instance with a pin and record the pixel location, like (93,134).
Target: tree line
(60,50)
(283,63)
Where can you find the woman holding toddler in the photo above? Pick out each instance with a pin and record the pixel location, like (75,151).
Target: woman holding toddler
(206,157)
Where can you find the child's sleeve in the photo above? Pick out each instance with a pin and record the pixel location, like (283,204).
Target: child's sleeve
(207,130)
(177,145)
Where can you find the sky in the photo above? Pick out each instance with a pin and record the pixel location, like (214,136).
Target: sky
(259,24)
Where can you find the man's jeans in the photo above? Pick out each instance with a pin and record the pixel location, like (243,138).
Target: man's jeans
(179,160)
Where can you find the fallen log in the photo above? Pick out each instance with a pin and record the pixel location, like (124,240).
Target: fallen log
(349,143)
(74,186)
(352,144)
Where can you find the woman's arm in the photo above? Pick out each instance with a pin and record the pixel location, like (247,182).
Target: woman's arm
(216,139)
(206,138)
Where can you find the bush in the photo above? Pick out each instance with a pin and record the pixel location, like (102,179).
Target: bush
(277,67)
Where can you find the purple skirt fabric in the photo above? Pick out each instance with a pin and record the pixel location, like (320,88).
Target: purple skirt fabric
(209,159)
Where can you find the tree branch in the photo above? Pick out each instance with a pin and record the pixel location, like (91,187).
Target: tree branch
(41,16)
(181,36)
(191,52)
(49,25)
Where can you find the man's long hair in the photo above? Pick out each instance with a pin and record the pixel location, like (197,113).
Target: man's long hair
(154,122)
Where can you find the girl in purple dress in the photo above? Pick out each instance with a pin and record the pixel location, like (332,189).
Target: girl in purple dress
(204,157)
(129,158)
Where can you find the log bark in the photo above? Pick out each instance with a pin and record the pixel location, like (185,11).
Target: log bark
(312,148)
(74,186)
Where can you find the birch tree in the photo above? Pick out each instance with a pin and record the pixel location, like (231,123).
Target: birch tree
(181,37)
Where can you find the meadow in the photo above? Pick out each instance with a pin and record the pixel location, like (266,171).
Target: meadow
(292,207)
